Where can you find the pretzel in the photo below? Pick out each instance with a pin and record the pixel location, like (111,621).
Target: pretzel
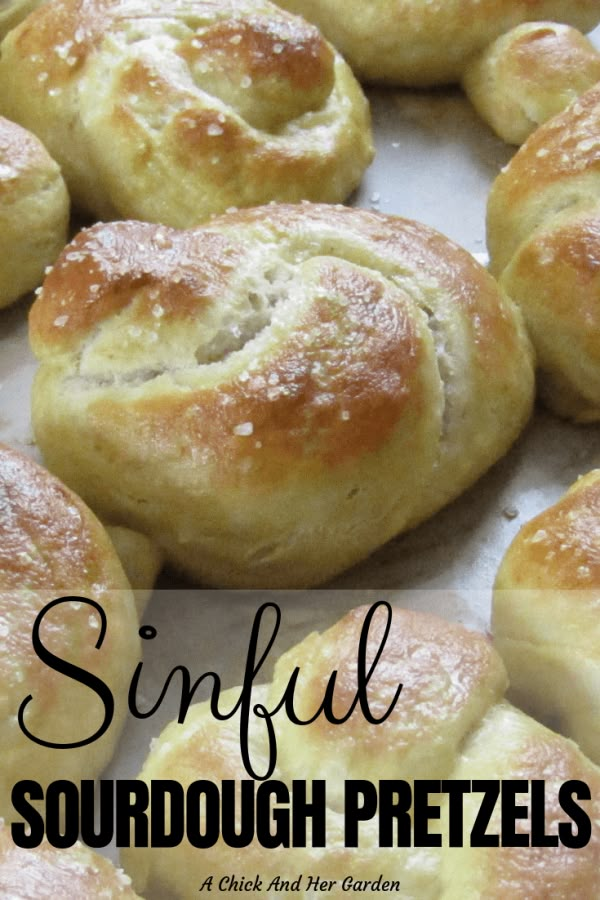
(542,228)
(170,112)
(528,75)
(545,615)
(51,547)
(450,722)
(274,395)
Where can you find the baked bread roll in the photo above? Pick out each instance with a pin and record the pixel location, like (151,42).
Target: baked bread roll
(34,211)
(546,621)
(528,75)
(51,546)
(450,722)
(273,396)
(509,745)
(544,243)
(170,112)
(49,874)
(416,43)
(14,11)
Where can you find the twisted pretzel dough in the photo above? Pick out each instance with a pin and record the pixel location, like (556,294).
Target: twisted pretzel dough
(172,112)
(450,722)
(52,546)
(34,211)
(528,75)
(428,42)
(544,241)
(545,615)
(273,396)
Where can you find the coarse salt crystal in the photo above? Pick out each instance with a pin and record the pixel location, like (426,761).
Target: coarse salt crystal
(245,429)
(162,240)
(61,321)
(62,50)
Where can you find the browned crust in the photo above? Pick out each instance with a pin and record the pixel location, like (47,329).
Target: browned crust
(49,540)
(560,548)
(371,346)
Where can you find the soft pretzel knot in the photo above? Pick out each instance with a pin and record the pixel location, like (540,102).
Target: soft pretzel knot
(544,242)
(276,394)
(51,547)
(170,112)
(412,42)
(450,722)
(528,75)
(546,617)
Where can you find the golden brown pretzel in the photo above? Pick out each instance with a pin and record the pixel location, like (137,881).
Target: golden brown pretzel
(34,211)
(413,42)
(546,619)
(450,722)
(528,75)
(544,243)
(51,546)
(274,395)
(170,112)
